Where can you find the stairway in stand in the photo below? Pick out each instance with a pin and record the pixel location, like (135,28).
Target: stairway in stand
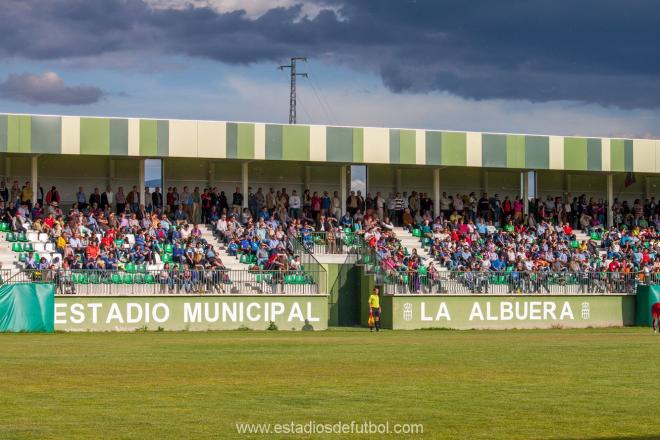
(229,262)
(410,242)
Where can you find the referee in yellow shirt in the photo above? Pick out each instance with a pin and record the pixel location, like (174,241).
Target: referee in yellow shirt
(374,309)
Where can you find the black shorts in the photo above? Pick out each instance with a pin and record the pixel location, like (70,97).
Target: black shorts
(375,312)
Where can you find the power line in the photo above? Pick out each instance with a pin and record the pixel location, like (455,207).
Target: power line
(324,101)
(292,93)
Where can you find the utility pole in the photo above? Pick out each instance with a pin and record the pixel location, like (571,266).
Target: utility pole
(292,96)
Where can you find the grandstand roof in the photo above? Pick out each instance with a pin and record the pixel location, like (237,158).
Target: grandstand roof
(143,137)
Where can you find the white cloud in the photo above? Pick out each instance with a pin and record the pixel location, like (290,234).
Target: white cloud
(253,8)
(47,88)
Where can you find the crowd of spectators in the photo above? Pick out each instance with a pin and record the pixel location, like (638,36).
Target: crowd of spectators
(108,230)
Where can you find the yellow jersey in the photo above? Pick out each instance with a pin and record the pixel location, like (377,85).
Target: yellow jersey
(374,301)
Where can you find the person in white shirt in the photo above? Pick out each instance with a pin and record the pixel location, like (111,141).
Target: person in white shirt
(294,204)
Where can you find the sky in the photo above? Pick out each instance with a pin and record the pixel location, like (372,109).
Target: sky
(588,68)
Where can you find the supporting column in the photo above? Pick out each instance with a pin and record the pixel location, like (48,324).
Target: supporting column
(484,181)
(343,188)
(244,183)
(610,199)
(436,192)
(34,177)
(397,180)
(211,175)
(647,188)
(140,186)
(162,176)
(525,191)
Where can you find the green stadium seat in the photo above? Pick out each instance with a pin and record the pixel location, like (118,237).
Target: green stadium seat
(168,248)
(167,258)
(116,278)
(130,268)
(138,278)
(4,227)
(27,247)
(17,247)
(127,278)
(22,257)
(149,279)
(10,237)
(22,237)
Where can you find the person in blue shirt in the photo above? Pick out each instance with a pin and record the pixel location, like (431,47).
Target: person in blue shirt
(245,245)
(346,220)
(264,214)
(499,265)
(177,254)
(232,249)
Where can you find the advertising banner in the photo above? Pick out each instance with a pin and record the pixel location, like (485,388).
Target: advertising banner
(502,312)
(191,312)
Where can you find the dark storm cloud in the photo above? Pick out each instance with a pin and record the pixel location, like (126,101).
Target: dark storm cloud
(595,51)
(47,88)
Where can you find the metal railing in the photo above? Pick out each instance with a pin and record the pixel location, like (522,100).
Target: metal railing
(449,282)
(163,282)
(339,242)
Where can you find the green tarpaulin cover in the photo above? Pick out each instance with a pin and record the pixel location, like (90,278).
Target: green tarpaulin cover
(646,297)
(27,307)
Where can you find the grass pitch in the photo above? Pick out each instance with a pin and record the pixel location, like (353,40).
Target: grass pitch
(542,384)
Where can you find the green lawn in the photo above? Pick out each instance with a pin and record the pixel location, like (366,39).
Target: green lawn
(563,384)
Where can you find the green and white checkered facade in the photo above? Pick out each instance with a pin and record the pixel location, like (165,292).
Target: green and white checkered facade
(127,137)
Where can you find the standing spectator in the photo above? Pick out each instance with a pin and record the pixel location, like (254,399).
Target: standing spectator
(157,199)
(196,206)
(316,206)
(147,199)
(352,203)
(26,195)
(81,198)
(252,203)
(270,201)
(484,207)
(53,196)
(107,198)
(260,200)
(40,194)
(399,205)
(380,205)
(294,205)
(4,191)
(186,200)
(335,206)
(445,203)
(414,203)
(95,199)
(121,200)
(133,199)
(237,200)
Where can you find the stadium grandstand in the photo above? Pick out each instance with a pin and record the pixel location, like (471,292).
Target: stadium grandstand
(258,208)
